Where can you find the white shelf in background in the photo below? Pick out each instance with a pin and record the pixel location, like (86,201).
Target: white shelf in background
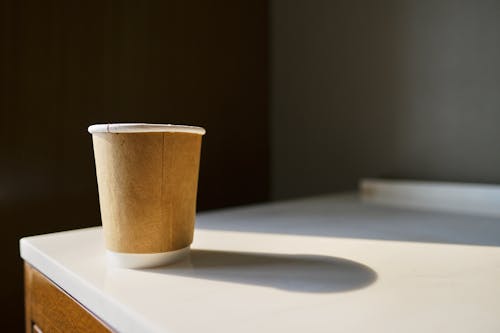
(479,199)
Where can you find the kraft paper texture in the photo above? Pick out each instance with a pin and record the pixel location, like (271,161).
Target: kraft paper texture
(147,189)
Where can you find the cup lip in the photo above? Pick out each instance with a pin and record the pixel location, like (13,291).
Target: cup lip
(144,128)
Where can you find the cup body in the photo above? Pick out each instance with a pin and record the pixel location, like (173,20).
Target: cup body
(147,178)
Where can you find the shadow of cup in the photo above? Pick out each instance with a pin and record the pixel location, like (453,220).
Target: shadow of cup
(298,273)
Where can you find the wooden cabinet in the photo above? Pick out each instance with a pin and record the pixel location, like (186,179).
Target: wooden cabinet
(50,309)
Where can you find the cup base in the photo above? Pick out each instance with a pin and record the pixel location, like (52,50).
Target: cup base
(145,260)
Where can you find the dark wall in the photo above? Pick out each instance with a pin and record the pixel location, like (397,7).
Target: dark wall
(67,64)
(406,89)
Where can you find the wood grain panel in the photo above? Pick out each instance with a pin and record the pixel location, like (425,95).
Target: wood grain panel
(50,309)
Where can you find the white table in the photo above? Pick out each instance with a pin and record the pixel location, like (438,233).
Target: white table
(325,264)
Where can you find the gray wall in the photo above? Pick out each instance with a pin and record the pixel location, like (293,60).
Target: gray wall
(407,89)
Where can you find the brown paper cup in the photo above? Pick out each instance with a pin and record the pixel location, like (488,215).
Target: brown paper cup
(147,176)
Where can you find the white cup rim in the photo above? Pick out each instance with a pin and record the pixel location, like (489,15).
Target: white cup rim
(144,128)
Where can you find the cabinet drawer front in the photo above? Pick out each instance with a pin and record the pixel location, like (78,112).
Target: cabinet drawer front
(53,310)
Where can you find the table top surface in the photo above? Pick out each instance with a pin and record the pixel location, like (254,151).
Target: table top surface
(324,264)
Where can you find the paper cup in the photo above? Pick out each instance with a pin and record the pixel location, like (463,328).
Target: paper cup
(147,177)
